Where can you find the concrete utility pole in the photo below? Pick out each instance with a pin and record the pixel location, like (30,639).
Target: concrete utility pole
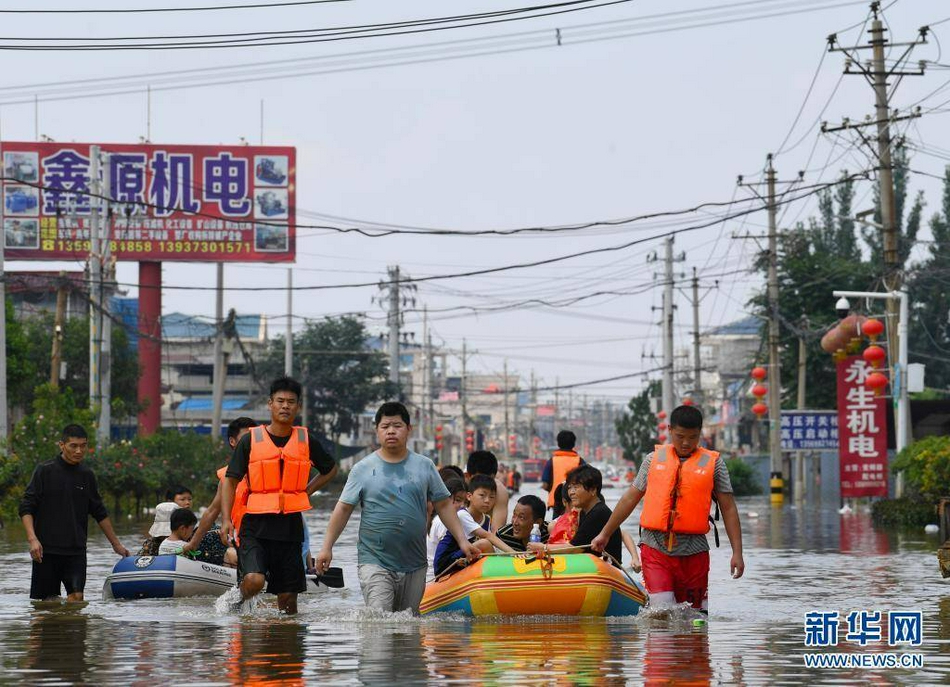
(56,355)
(430,376)
(95,279)
(668,395)
(533,431)
(697,365)
(798,487)
(775,372)
(218,375)
(107,279)
(289,336)
(877,73)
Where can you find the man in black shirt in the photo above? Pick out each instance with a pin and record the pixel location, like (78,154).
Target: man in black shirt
(272,528)
(584,484)
(55,510)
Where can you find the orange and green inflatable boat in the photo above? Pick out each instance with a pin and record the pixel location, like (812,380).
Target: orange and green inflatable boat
(569,584)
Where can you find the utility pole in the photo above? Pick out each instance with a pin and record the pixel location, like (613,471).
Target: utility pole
(426,366)
(798,486)
(775,373)
(289,336)
(877,73)
(533,431)
(56,355)
(107,279)
(507,440)
(95,279)
(463,397)
(218,375)
(430,376)
(697,365)
(394,321)
(668,397)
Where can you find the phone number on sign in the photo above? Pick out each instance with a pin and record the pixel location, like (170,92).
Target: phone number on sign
(203,247)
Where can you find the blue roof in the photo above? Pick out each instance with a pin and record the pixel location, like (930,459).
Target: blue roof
(750,326)
(205,403)
(177,325)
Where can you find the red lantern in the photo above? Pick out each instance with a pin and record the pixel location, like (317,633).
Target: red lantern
(760,409)
(759,390)
(662,438)
(873,329)
(874,355)
(661,426)
(688,401)
(759,373)
(661,414)
(876,381)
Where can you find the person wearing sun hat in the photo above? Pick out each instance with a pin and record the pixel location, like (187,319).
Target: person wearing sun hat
(161,528)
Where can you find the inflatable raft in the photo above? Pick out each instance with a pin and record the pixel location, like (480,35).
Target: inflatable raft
(159,577)
(570,584)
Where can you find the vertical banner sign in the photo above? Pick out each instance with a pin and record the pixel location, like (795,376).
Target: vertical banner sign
(168,202)
(862,432)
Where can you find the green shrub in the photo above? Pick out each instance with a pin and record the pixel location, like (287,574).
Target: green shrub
(926,467)
(743,478)
(903,512)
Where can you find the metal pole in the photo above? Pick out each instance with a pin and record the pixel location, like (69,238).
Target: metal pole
(668,402)
(903,438)
(219,371)
(799,482)
(105,296)
(775,375)
(289,336)
(95,278)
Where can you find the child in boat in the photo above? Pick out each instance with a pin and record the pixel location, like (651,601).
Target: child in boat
(179,495)
(475,522)
(182,525)
(459,491)
(160,528)
(564,526)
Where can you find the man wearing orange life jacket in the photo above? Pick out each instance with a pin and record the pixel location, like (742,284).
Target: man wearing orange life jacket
(677,483)
(276,460)
(236,430)
(562,462)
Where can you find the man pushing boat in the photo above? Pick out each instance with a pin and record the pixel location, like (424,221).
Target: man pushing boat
(677,484)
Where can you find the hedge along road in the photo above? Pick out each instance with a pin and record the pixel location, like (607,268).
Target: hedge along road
(797,560)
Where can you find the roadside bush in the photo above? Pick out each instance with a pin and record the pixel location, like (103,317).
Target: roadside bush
(743,478)
(903,512)
(926,467)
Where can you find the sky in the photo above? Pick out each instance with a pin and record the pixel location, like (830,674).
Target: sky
(661,117)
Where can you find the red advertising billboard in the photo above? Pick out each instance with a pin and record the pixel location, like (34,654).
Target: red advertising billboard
(862,432)
(168,202)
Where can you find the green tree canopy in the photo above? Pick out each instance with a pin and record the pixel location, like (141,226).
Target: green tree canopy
(636,429)
(341,375)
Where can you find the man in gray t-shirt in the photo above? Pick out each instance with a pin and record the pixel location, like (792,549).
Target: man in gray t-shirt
(676,563)
(392,486)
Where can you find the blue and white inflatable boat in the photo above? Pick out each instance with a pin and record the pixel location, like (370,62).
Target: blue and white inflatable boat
(160,577)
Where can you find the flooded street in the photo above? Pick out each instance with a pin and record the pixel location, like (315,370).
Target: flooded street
(797,560)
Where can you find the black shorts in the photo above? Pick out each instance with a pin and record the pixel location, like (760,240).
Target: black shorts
(281,561)
(55,570)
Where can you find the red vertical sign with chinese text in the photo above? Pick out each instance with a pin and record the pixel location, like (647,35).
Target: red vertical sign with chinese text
(862,432)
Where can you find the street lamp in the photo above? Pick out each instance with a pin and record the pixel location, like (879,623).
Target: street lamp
(898,379)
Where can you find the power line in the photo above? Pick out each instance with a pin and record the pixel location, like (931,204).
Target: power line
(144,10)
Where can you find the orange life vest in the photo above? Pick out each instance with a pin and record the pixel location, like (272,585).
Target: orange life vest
(562,462)
(278,476)
(679,493)
(239,507)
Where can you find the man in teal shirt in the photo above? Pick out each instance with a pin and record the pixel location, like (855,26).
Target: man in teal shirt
(392,486)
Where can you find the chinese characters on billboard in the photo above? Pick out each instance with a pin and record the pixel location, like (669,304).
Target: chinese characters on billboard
(862,432)
(809,430)
(169,202)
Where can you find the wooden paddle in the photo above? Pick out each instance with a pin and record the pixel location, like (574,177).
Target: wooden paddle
(333,578)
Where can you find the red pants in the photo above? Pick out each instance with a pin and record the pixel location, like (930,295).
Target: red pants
(686,577)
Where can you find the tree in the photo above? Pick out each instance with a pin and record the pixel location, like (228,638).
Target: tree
(930,300)
(637,429)
(341,375)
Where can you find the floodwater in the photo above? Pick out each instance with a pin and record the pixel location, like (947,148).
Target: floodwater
(797,560)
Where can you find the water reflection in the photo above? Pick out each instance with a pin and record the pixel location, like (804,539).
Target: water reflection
(267,653)
(56,643)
